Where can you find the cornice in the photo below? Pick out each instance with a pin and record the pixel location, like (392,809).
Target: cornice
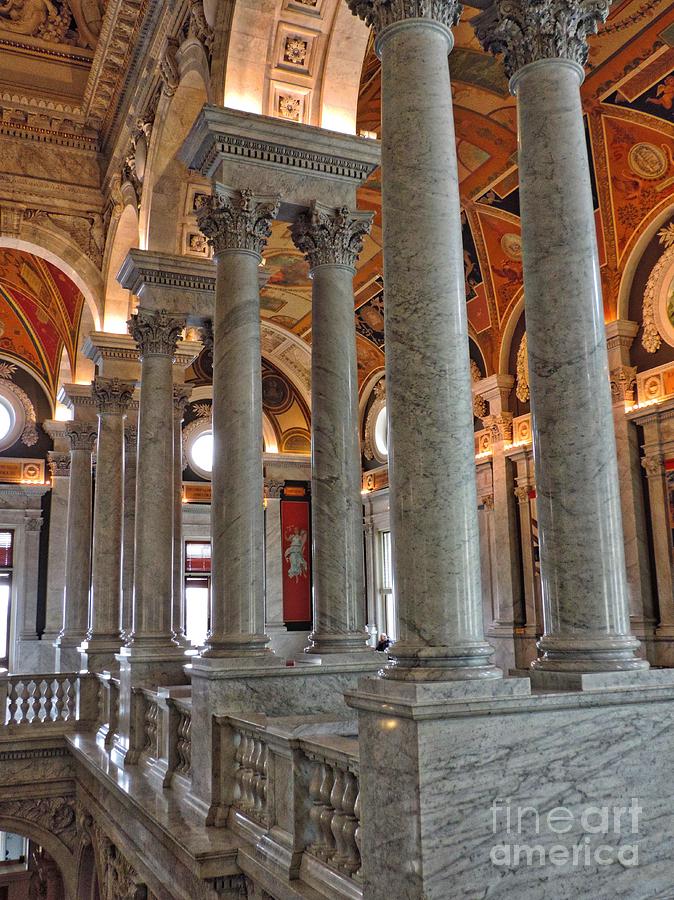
(143,268)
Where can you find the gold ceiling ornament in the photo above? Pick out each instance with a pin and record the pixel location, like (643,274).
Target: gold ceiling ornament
(480,408)
(666,235)
(522,386)
(647,160)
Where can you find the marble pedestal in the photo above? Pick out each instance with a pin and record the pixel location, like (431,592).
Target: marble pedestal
(68,655)
(501,793)
(221,687)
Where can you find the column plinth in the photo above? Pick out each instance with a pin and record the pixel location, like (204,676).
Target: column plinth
(332,240)
(429,399)
(237,225)
(112,398)
(82,438)
(583,579)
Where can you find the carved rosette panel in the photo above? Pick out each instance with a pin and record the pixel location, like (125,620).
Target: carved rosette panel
(379,14)
(54,814)
(331,236)
(526,31)
(59,464)
(237,220)
(156,334)
(112,395)
(82,435)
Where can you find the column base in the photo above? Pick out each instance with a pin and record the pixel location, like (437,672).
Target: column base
(67,657)
(325,644)
(238,646)
(587,655)
(99,654)
(465,662)
(544,680)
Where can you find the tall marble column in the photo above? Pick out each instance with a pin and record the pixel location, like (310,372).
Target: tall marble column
(237,225)
(156,334)
(181,396)
(332,240)
(429,401)
(112,398)
(129,528)
(585,599)
(59,471)
(82,437)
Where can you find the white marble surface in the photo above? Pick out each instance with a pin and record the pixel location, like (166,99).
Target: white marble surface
(429,400)
(583,577)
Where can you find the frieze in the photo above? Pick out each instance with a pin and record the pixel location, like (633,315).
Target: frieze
(54,814)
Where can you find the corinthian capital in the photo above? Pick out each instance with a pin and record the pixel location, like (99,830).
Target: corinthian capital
(156,333)
(379,14)
(237,220)
(82,435)
(526,31)
(331,236)
(181,397)
(112,395)
(59,464)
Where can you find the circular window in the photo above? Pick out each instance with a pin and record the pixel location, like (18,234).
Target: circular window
(201,454)
(12,417)
(6,419)
(380,432)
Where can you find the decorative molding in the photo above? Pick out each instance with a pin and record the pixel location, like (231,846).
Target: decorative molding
(379,14)
(500,427)
(273,489)
(237,220)
(33,524)
(181,397)
(651,337)
(487,501)
(331,236)
(526,31)
(652,465)
(111,395)
(168,67)
(59,464)
(522,384)
(26,420)
(84,230)
(522,493)
(82,435)
(55,815)
(480,406)
(131,439)
(370,449)
(623,383)
(157,334)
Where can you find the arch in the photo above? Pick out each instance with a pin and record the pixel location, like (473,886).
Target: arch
(58,851)
(125,237)
(342,71)
(634,259)
(507,335)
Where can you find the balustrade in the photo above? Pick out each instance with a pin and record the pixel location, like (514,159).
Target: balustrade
(33,700)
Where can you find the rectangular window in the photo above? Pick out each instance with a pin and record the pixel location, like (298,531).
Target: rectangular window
(6,549)
(198,556)
(386,589)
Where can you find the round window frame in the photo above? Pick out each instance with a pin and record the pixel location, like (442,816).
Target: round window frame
(17,414)
(372,451)
(204,426)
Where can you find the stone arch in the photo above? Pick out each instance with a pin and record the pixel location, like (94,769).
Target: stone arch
(88,879)
(516,311)
(56,848)
(634,258)
(125,236)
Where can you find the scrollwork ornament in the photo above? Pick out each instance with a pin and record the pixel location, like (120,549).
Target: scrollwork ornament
(526,31)
(112,395)
(156,334)
(522,383)
(331,236)
(237,220)
(480,407)
(379,14)
(651,337)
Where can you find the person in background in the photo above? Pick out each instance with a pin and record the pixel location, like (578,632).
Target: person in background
(383,643)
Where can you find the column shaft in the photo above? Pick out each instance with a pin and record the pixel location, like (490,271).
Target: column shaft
(180,398)
(128,549)
(332,240)
(431,468)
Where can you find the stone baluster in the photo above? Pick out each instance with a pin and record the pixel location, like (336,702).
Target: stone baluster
(128,548)
(584,585)
(429,397)
(181,396)
(237,225)
(156,334)
(82,437)
(112,398)
(331,239)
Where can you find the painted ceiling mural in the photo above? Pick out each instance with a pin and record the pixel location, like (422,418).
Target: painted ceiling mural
(628,98)
(40,312)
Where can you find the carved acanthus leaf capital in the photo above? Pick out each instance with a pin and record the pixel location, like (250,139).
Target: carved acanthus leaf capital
(379,14)
(331,236)
(522,493)
(156,333)
(623,382)
(526,31)
(487,501)
(111,395)
(500,427)
(59,464)
(82,435)
(237,220)
(181,397)
(207,336)
(652,465)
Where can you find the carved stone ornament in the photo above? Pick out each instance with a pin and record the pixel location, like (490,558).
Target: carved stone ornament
(330,236)
(522,381)
(131,439)
(522,493)
(82,435)
(480,407)
(199,29)
(655,319)
(181,397)
(237,220)
(206,336)
(379,14)
(112,395)
(169,70)
(120,880)
(156,334)
(273,489)
(487,502)
(652,465)
(55,815)
(623,382)
(29,434)
(526,31)
(500,427)
(370,449)
(59,464)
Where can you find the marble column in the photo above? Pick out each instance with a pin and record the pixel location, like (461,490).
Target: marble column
(331,239)
(156,334)
(82,437)
(112,398)
(181,396)
(429,401)
(237,225)
(59,470)
(584,585)
(129,535)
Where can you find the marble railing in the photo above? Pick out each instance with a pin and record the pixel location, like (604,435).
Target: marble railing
(179,738)
(290,787)
(150,735)
(32,701)
(108,706)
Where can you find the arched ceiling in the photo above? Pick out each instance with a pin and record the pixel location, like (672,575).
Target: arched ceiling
(628,98)
(40,312)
